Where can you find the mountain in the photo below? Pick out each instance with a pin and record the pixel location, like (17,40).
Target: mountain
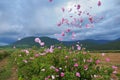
(89,44)
(30,41)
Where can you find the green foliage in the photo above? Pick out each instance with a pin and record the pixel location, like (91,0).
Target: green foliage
(60,65)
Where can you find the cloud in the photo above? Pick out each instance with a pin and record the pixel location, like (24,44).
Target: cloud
(21,18)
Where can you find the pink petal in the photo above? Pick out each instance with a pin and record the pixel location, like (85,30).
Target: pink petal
(78,6)
(50,0)
(99,3)
(63,9)
(63,34)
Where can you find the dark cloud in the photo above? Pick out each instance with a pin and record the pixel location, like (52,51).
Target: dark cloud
(21,18)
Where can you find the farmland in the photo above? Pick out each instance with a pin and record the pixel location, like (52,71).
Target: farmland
(9,69)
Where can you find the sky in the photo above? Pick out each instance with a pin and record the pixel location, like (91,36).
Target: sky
(24,18)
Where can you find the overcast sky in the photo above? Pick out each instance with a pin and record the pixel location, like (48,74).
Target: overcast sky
(22,18)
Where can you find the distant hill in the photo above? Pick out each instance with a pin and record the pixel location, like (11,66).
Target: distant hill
(30,41)
(89,44)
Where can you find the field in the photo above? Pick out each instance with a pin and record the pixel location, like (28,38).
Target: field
(8,70)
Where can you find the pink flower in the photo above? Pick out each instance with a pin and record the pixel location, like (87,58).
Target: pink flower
(97,61)
(57,70)
(77,74)
(52,67)
(114,72)
(46,78)
(62,74)
(78,47)
(27,52)
(107,59)
(25,61)
(114,67)
(37,55)
(85,67)
(66,57)
(37,40)
(103,54)
(89,60)
(76,65)
(51,49)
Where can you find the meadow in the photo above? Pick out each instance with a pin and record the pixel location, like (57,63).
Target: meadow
(58,63)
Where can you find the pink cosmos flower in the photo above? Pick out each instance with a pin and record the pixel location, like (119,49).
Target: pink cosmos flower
(66,57)
(76,65)
(85,67)
(107,59)
(103,54)
(114,67)
(62,74)
(114,72)
(89,60)
(37,40)
(77,74)
(78,47)
(51,49)
(46,78)
(37,55)
(52,67)
(97,61)
(57,70)
(25,61)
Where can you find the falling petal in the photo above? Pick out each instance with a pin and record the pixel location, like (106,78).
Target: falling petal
(63,34)
(99,3)
(63,9)
(91,19)
(50,0)
(68,30)
(70,10)
(78,6)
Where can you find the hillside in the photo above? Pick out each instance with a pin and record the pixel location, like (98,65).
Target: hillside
(89,44)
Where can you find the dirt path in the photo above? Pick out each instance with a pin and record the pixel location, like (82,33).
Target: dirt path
(3,63)
(14,74)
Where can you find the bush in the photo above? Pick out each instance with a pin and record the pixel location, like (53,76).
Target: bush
(61,64)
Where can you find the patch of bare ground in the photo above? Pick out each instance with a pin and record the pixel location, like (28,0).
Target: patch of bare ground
(114,60)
